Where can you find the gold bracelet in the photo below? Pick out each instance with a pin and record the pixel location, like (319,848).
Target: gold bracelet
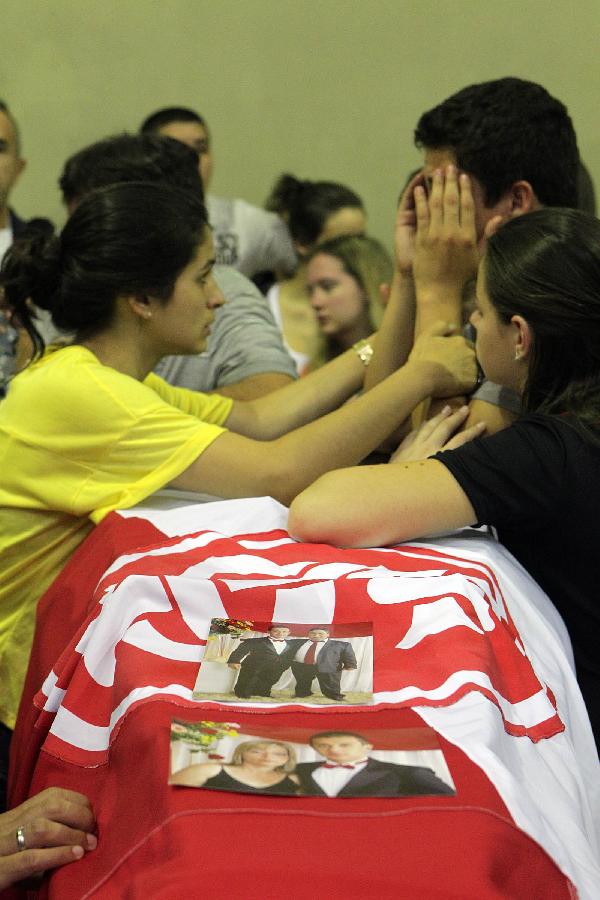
(364,351)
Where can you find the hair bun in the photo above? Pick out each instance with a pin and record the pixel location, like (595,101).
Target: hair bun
(285,193)
(34,268)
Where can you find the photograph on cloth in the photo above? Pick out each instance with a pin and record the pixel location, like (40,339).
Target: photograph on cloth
(287,662)
(302,762)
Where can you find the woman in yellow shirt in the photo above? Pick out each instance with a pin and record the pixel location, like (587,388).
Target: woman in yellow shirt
(87,428)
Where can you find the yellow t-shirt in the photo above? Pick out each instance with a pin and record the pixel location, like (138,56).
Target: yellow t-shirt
(77,440)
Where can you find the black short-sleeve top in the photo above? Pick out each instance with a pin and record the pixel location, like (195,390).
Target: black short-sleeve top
(538,483)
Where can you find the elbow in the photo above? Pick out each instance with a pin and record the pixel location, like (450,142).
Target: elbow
(312,519)
(301,522)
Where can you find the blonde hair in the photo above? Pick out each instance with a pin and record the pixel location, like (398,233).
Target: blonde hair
(237,757)
(369,263)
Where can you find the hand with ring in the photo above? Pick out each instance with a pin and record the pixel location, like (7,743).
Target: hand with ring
(51,829)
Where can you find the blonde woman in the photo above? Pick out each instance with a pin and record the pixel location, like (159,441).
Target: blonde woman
(347,280)
(256,767)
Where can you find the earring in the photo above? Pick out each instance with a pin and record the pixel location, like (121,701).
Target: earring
(517,355)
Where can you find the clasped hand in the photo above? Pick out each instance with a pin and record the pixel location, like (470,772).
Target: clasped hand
(448,357)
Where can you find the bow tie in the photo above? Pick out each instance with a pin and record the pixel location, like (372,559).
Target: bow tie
(337,766)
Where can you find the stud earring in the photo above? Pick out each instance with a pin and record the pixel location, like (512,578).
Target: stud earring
(517,355)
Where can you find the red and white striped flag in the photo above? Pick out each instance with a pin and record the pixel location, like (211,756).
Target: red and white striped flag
(441,628)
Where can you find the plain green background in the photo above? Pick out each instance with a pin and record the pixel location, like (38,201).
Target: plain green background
(328,89)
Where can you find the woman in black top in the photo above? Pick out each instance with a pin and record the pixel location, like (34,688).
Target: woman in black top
(538,481)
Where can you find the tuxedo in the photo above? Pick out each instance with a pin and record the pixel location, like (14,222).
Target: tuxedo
(261,666)
(378,779)
(333,657)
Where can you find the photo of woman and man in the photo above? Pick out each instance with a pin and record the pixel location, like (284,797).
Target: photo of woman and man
(329,763)
(287,662)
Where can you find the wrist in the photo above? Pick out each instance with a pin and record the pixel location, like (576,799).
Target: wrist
(437,292)
(422,375)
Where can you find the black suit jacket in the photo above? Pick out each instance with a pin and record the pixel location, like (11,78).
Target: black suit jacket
(258,651)
(378,779)
(335,655)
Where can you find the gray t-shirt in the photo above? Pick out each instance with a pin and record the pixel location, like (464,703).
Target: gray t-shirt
(244,341)
(250,239)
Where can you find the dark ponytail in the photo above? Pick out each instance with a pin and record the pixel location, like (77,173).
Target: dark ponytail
(127,239)
(545,267)
(306,205)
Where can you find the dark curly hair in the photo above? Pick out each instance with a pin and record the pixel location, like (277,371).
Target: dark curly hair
(505,131)
(306,205)
(130,157)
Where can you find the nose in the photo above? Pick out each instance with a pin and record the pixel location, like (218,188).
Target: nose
(215,297)
(316,297)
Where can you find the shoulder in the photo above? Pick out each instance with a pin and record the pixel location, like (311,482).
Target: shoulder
(338,645)
(402,770)
(542,443)
(234,285)
(254,215)
(74,370)
(243,300)
(381,764)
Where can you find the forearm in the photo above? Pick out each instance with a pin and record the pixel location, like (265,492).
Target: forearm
(374,506)
(254,386)
(394,340)
(235,466)
(347,435)
(300,402)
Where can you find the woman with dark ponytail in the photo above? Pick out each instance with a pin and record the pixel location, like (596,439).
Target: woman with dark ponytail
(314,211)
(88,428)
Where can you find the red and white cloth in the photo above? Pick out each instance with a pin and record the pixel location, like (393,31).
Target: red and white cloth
(447,643)
(441,628)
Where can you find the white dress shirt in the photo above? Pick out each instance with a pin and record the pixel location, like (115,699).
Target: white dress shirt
(303,650)
(333,780)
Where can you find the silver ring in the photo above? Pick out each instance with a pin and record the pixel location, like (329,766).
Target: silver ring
(21,845)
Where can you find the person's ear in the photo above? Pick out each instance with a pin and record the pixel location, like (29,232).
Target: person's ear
(384,293)
(523,336)
(140,305)
(522,199)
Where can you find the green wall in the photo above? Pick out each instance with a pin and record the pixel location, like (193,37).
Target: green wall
(321,88)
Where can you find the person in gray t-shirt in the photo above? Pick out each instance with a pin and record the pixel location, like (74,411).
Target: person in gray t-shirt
(246,237)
